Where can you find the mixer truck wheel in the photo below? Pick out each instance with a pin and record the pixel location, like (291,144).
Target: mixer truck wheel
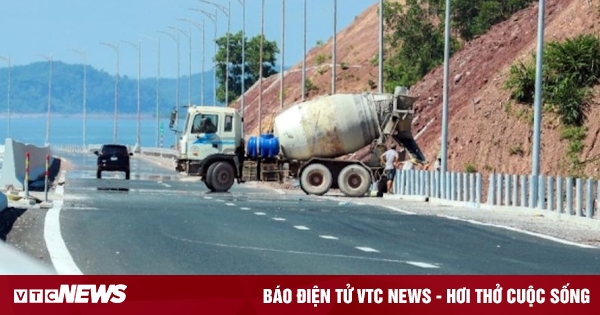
(354,180)
(208,177)
(316,179)
(221,177)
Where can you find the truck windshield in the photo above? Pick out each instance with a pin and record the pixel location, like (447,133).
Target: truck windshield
(205,123)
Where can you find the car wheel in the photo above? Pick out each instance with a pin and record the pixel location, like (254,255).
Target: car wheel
(222,176)
(208,176)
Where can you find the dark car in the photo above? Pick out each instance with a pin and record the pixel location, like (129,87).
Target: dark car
(113,157)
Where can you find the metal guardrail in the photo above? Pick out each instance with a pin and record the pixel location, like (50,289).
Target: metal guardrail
(575,197)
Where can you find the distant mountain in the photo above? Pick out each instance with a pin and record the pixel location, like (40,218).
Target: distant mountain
(29,90)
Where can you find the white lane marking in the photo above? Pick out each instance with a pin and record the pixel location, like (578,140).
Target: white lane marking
(279,219)
(283,251)
(421,264)
(208,198)
(220,200)
(400,210)
(360,203)
(367,249)
(544,236)
(301,227)
(230,204)
(59,254)
(280,191)
(166,185)
(245,208)
(260,213)
(328,237)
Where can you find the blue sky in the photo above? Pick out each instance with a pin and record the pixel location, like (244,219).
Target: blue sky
(32,29)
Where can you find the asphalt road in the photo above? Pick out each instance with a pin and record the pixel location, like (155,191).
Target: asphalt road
(162,223)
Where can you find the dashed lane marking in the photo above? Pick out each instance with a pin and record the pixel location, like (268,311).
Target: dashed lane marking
(301,227)
(230,204)
(367,249)
(328,237)
(422,264)
(279,219)
(245,208)
(260,213)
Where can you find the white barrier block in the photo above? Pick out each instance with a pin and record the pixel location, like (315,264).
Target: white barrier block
(13,167)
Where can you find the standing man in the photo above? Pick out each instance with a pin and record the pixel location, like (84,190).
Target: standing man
(390,158)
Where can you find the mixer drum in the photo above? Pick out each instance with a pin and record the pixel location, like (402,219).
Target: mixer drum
(327,127)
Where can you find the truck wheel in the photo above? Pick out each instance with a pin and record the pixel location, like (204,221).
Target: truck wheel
(222,176)
(316,179)
(98,174)
(354,180)
(208,177)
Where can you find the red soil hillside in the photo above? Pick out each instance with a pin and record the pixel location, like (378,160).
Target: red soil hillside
(485,129)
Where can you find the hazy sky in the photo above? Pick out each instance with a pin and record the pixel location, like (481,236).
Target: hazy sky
(32,29)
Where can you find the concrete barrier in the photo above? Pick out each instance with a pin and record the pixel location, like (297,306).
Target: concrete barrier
(13,168)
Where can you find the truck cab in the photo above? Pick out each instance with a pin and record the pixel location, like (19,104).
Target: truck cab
(208,132)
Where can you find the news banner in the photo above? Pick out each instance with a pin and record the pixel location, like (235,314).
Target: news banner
(300,294)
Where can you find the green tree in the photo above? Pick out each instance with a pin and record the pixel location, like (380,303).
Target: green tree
(233,77)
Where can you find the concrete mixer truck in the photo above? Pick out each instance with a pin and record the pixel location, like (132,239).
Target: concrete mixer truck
(306,142)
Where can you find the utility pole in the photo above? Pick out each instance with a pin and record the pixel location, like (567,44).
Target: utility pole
(213,18)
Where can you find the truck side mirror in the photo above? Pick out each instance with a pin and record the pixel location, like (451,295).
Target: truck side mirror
(173,118)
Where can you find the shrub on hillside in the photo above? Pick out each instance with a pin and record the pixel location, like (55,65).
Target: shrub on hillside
(570,68)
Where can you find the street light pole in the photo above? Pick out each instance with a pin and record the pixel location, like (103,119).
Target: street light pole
(243,3)
(188,34)
(304,58)
(49,59)
(115,130)
(213,18)
(138,47)
(227,13)
(282,84)
(178,61)
(260,70)
(82,54)
(157,143)
(380,84)
(444,164)
(537,115)
(334,48)
(201,28)
(176,39)
(7,59)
